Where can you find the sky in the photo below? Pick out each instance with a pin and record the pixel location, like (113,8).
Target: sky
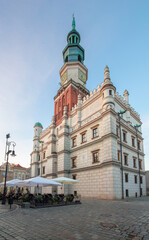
(33,34)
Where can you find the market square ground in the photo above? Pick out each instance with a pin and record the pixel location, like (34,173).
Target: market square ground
(93,219)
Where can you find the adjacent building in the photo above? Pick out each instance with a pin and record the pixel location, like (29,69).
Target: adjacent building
(14,171)
(20,172)
(94,136)
(9,172)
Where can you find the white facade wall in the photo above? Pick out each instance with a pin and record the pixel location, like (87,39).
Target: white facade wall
(101,179)
(93,183)
(133,187)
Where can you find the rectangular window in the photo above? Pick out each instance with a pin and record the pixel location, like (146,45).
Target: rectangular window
(83,137)
(74,177)
(74,162)
(75,193)
(110,92)
(140,164)
(134,162)
(141,179)
(44,155)
(135,178)
(139,145)
(133,141)
(127,193)
(117,131)
(125,159)
(126,177)
(95,132)
(118,155)
(74,142)
(43,170)
(95,156)
(39,157)
(38,171)
(124,137)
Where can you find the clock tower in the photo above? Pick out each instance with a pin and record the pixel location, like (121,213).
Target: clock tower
(73,75)
(73,56)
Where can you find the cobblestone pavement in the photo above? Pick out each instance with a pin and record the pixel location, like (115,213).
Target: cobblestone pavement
(93,219)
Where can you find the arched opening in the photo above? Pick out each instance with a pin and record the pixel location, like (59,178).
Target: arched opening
(79,58)
(66,59)
(72,39)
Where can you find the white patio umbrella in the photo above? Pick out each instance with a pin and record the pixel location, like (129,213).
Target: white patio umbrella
(37,182)
(65,180)
(11,183)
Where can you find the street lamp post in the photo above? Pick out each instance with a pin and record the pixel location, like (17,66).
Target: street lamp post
(136,127)
(7,152)
(119,118)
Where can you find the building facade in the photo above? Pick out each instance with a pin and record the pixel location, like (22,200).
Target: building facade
(147,182)
(14,171)
(20,172)
(9,172)
(94,137)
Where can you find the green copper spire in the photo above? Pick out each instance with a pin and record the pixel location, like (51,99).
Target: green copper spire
(73,22)
(73,52)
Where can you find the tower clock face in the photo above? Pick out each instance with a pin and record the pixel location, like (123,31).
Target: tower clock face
(82,76)
(63,78)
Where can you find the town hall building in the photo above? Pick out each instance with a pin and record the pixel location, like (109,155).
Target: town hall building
(94,137)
